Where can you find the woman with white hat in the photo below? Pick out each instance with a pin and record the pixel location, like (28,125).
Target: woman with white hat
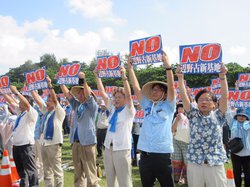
(158,101)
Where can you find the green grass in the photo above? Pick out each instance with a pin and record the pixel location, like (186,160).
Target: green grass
(69,174)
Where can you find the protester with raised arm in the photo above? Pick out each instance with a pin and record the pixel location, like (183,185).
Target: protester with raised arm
(83,132)
(117,156)
(52,138)
(206,155)
(23,138)
(158,101)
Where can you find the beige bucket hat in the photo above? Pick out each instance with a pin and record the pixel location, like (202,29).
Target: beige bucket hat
(147,88)
(75,89)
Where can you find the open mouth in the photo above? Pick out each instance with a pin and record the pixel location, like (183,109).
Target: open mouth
(204,107)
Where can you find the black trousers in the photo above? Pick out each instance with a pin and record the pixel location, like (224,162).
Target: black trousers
(156,166)
(135,138)
(24,157)
(100,135)
(66,127)
(241,164)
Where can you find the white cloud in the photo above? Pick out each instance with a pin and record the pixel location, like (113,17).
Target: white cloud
(237,50)
(41,25)
(108,34)
(173,54)
(18,46)
(99,9)
(137,34)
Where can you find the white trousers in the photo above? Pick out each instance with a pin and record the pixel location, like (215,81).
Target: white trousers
(118,166)
(206,176)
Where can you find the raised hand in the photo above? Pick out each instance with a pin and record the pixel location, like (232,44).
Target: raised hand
(95,71)
(81,75)
(178,72)
(123,72)
(48,79)
(13,89)
(223,69)
(165,60)
(130,63)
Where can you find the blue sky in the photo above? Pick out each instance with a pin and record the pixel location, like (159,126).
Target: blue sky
(75,29)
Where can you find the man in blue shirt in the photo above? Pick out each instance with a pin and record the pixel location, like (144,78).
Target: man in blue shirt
(155,142)
(83,132)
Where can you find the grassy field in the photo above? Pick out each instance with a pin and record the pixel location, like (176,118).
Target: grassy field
(69,173)
(69,170)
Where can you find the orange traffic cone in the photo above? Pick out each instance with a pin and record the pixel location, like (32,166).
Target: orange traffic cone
(14,174)
(230,178)
(5,172)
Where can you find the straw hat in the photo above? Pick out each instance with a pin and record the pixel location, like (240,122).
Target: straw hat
(75,90)
(147,88)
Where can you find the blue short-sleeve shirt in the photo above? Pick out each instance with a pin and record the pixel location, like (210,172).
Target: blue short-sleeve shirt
(156,134)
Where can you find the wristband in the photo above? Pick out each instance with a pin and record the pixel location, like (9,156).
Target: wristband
(222,79)
(81,81)
(168,69)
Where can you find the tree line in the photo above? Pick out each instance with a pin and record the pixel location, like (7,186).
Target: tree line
(145,74)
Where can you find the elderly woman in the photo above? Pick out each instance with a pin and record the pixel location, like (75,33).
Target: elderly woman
(206,154)
(117,156)
(181,132)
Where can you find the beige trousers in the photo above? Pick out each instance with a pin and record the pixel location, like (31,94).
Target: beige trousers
(52,165)
(84,159)
(39,161)
(118,166)
(206,176)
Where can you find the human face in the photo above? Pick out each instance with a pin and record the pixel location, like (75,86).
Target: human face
(138,107)
(157,93)
(50,104)
(21,106)
(241,118)
(119,100)
(80,96)
(102,107)
(180,110)
(205,104)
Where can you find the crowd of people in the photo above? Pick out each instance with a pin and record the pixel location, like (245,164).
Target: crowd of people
(178,141)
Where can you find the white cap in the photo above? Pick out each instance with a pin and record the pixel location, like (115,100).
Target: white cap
(102,103)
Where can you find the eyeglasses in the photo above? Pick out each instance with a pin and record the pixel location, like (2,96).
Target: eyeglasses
(205,100)
(157,90)
(119,97)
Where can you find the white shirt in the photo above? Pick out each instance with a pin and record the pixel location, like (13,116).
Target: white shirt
(102,122)
(183,129)
(24,133)
(121,138)
(58,121)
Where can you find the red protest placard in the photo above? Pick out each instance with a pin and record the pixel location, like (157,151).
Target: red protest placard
(36,79)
